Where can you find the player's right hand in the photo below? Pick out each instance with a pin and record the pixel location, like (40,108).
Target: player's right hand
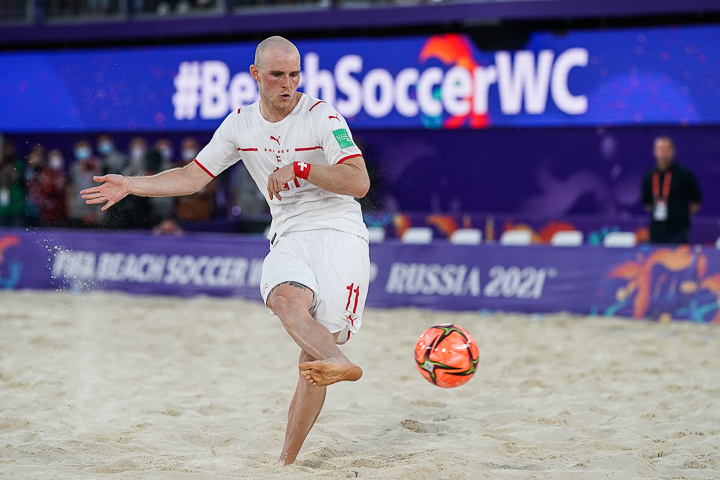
(278,181)
(113,189)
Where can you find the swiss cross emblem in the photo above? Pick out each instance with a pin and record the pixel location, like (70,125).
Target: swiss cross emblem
(302,166)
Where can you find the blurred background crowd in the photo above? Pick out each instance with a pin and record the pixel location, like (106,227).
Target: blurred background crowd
(42,189)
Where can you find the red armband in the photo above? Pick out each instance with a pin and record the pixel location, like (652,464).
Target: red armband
(302,170)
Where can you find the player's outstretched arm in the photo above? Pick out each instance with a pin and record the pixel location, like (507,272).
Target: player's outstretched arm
(170,183)
(347,178)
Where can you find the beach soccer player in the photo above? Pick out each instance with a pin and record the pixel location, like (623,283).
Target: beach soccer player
(301,154)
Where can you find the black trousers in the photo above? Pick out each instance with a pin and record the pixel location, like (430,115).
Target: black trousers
(662,232)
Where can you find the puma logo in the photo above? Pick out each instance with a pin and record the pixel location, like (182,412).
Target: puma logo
(336,117)
(276,139)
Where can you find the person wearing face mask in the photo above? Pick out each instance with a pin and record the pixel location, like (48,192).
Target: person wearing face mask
(50,189)
(138,150)
(56,161)
(200,206)
(33,170)
(113,160)
(189,151)
(164,146)
(82,172)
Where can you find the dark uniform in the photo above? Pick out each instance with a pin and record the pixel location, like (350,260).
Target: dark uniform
(670,191)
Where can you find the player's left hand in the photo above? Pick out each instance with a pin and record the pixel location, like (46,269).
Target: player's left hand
(279,179)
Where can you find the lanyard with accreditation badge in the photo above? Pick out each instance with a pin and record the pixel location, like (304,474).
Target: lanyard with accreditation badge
(660,203)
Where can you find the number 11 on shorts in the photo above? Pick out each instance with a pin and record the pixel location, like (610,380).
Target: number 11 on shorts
(350,294)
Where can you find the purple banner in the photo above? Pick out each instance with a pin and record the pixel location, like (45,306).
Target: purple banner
(661,283)
(217,265)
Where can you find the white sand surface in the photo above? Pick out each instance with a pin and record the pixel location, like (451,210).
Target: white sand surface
(107,385)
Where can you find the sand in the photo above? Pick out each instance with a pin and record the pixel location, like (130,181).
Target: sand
(107,385)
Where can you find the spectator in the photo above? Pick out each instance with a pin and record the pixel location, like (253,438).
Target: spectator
(188,150)
(35,158)
(671,195)
(52,185)
(33,169)
(200,206)
(164,146)
(162,208)
(12,189)
(82,172)
(138,150)
(113,160)
(248,203)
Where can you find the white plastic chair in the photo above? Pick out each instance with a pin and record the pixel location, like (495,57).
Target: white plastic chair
(717,243)
(466,236)
(516,237)
(620,240)
(376,234)
(417,235)
(570,238)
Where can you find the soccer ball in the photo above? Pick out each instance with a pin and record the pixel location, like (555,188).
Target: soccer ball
(446,355)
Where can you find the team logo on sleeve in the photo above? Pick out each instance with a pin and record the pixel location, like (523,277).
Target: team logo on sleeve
(343,138)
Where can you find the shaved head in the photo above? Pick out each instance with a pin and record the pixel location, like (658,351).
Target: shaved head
(277,73)
(271,45)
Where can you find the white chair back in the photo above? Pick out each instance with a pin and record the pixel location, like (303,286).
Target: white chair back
(466,236)
(417,235)
(377,234)
(572,238)
(620,240)
(516,237)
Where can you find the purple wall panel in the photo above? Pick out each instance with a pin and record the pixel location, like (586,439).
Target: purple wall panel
(544,172)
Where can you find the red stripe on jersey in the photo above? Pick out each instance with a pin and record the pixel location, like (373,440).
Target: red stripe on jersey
(305,149)
(297,184)
(206,170)
(318,103)
(247,149)
(348,157)
(348,337)
(239,109)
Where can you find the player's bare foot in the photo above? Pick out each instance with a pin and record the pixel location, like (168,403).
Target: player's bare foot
(329,371)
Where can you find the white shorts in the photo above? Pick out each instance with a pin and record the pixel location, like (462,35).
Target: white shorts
(335,265)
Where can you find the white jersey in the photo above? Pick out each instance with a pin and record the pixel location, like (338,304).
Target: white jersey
(314,133)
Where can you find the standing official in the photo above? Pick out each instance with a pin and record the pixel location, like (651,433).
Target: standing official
(671,194)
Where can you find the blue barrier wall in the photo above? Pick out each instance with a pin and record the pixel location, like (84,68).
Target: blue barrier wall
(681,283)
